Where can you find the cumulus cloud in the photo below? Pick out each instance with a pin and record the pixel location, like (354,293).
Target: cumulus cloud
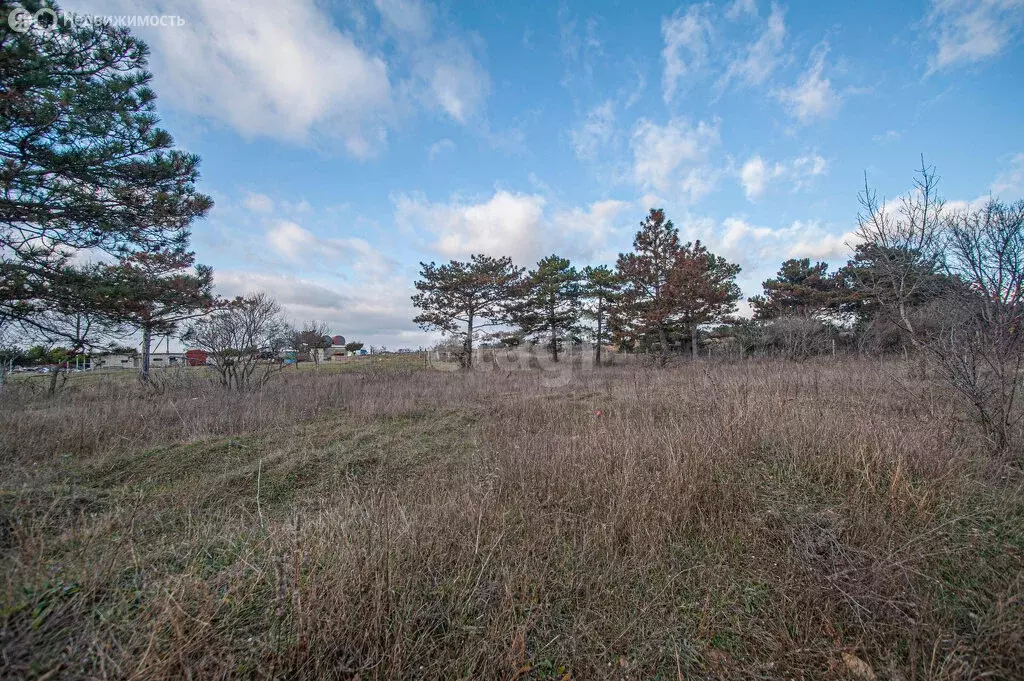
(448,77)
(687,37)
(506,223)
(291,74)
(759,249)
(759,60)
(969,31)
(804,168)
(672,158)
(818,246)
(586,232)
(812,96)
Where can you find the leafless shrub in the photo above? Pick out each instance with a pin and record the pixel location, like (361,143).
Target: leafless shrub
(953,283)
(979,343)
(242,340)
(800,337)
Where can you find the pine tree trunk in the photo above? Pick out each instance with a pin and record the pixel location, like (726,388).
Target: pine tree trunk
(147,338)
(693,342)
(52,390)
(467,347)
(600,336)
(663,339)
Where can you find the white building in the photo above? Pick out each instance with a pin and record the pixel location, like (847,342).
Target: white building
(166,359)
(115,360)
(124,360)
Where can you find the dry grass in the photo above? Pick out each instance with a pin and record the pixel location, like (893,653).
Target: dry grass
(756,520)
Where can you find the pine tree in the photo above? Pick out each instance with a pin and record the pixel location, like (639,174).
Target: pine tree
(602,289)
(551,305)
(156,292)
(702,287)
(647,306)
(799,288)
(83,165)
(461,297)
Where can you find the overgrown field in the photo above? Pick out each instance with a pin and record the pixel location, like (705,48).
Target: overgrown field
(749,520)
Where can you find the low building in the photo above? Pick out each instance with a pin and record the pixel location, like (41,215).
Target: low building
(125,360)
(117,360)
(167,359)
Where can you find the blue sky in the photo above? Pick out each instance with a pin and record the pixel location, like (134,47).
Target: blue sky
(344,142)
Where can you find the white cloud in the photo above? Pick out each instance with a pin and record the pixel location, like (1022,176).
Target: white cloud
(301,246)
(818,246)
(758,249)
(595,132)
(259,203)
(517,225)
(406,17)
(292,74)
(686,39)
(804,168)
(756,174)
(505,224)
(761,58)
(584,233)
(448,77)
(445,74)
(741,8)
(375,315)
(969,31)
(736,233)
(579,52)
(812,96)
(673,158)
(699,182)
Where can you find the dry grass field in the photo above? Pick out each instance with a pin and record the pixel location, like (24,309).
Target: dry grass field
(755,520)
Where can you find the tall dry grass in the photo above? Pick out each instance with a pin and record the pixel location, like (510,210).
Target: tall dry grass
(750,520)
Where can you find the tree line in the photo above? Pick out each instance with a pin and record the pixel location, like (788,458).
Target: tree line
(655,299)
(945,284)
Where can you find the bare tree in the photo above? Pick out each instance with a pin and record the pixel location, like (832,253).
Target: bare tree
(979,344)
(314,339)
(242,340)
(953,283)
(904,245)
